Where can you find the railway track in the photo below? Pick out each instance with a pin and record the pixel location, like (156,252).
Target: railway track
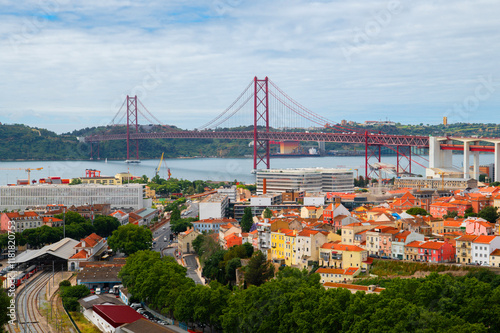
(29,318)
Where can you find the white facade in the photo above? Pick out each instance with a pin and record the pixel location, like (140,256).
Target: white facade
(372,242)
(481,251)
(213,207)
(231,192)
(306,179)
(307,247)
(314,200)
(398,248)
(264,232)
(266,200)
(120,196)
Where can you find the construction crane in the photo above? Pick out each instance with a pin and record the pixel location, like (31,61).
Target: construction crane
(157,170)
(28,170)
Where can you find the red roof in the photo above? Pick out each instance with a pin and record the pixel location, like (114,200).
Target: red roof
(432,245)
(342,247)
(484,239)
(90,241)
(330,271)
(351,270)
(117,315)
(413,244)
(467,238)
(80,255)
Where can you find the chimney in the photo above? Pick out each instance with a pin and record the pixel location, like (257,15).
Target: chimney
(264,186)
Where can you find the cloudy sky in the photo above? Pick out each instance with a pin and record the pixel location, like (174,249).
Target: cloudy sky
(70,64)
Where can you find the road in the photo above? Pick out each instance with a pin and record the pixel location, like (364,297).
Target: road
(159,237)
(193,209)
(191,264)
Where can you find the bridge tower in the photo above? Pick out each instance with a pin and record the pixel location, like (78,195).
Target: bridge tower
(132,122)
(261,153)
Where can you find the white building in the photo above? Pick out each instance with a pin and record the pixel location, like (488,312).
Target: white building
(306,179)
(307,246)
(230,191)
(213,206)
(482,246)
(314,199)
(129,196)
(267,200)
(264,239)
(400,241)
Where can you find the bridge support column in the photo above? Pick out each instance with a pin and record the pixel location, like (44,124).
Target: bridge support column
(132,122)
(497,161)
(261,148)
(466,159)
(476,165)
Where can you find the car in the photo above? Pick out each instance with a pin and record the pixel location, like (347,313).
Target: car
(140,310)
(164,228)
(98,291)
(135,306)
(165,238)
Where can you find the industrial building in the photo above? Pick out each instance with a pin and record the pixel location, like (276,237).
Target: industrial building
(129,196)
(304,179)
(213,206)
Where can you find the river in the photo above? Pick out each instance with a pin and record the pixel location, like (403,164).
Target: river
(216,169)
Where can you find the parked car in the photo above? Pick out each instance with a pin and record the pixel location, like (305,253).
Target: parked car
(135,306)
(98,291)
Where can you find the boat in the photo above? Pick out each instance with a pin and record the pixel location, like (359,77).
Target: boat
(132,161)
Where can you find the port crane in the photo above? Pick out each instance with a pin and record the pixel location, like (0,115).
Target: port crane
(28,170)
(157,169)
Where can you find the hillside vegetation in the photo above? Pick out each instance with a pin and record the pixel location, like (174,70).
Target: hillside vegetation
(21,142)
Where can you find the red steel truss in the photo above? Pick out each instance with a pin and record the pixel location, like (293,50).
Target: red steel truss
(132,121)
(261,152)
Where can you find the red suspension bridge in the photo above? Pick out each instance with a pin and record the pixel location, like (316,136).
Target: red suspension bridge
(274,116)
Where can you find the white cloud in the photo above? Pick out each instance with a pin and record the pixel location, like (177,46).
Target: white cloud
(77,60)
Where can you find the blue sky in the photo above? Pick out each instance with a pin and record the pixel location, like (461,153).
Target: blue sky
(68,64)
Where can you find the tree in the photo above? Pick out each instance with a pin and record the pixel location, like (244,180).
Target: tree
(231,267)
(105,225)
(175,214)
(5,303)
(451,214)
(71,217)
(198,243)
(75,181)
(489,213)
(247,220)
(469,212)
(417,211)
(267,213)
(258,270)
(130,238)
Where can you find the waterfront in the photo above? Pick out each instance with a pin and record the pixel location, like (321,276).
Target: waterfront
(217,169)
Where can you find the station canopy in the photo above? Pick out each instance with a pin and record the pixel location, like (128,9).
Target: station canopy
(63,249)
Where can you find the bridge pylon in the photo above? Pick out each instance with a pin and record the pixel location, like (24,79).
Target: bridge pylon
(261,149)
(132,122)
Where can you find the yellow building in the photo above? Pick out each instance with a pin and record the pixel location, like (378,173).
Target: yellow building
(278,244)
(463,249)
(495,258)
(342,256)
(311,212)
(118,179)
(290,242)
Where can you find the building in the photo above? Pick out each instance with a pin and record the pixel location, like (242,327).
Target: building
(311,212)
(264,237)
(143,216)
(436,252)
(315,199)
(463,249)
(307,247)
(482,246)
(100,274)
(20,220)
(130,196)
(108,318)
(401,240)
(495,258)
(478,226)
(185,240)
(89,249)
(213,206)
(439,209)
(412,251)
(337,275)
(211,225)
(435,183)
(338,255)
(266,200)
(311,180)
(230,191)
(354,288)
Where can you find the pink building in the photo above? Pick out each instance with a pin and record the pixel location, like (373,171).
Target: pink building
(436,252)
(478,226)
(439,209)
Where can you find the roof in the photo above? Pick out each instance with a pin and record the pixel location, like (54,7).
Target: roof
(351,270)
(351,287)
(432,245)
(218,221)
(414,244)
(342,247)
(484,239)
(90,301)
(495,253)
(143,325)
(117,315)
(49,219)
(90,241)
(330,271)
(100,273)
(467,238)
(63,249)
(21,215)
(80,255)
(307,233)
